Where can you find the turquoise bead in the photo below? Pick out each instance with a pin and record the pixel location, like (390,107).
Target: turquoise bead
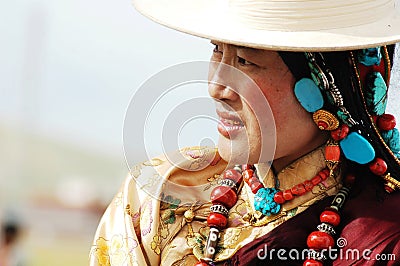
(309,95)
(357,149)
(370,56)
(264,201)
(391,137)
(375,93)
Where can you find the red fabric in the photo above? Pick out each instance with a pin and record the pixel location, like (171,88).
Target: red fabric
(370,221)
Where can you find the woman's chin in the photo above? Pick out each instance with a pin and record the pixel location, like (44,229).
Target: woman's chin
(235,151)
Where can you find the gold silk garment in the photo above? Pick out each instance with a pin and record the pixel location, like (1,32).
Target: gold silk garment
(159,215)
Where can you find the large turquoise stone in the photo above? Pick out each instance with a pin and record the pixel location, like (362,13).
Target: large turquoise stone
(309,95)
(391,137)
(264,201)
(376,93)
(357,149)
(370,56)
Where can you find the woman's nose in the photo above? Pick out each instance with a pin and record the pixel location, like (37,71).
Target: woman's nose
(219,86)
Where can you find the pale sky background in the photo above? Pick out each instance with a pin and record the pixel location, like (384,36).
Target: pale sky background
(69,68)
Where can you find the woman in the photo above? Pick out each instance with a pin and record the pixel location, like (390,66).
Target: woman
(335,169)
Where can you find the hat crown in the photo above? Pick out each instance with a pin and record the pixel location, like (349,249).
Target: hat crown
(297,15)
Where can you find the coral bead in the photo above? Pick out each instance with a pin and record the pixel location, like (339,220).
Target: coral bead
(324,174)
(332,153)
(247,174)
(378,166)
(287,195)
(311,262)
(223,195)
(247,167)
(386,122)
(316,180)
(388,189)
(201,263)
(278,198)
(233,175)
(330,217)
(298,190)
(322,125)
(308,185)
(255,186)
(340,133)
(217,220)
(320,240)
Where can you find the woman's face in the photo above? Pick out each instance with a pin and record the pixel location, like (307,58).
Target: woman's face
(240,128)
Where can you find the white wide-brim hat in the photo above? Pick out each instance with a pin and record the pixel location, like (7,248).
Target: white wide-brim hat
(291,25)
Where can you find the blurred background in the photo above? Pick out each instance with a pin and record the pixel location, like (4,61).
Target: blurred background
(67,72)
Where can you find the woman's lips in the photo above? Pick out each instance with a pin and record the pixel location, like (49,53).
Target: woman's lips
(229,125)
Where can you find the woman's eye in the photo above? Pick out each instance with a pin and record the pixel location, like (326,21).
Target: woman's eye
(244,62)
(216,49)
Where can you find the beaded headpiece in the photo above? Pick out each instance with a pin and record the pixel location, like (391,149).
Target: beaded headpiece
(347,94)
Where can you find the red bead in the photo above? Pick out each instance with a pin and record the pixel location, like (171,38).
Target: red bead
(388,189)
(330,217)
(255,186)
(217,220)
(247,174)
(332,153)
(386,122)
(322,125)
(320,240)
(298,190)
(247,167)
(252,180)
(278,197)
(324,174)
(316,180)
(201,263)
(375,118)
(340,133)
(223,195)
(308,185)
(233,175)
(311,262)
(378,166)
(287,195)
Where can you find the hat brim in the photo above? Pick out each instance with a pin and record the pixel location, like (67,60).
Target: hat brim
(211,22)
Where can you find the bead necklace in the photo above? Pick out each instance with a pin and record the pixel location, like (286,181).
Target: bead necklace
(268,201)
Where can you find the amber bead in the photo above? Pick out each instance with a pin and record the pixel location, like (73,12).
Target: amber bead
(217,220)
(320,240)
(287,195)
(378,166)
(330,217)
(255,186)
(311,262)
(332,153)
(340,133)
(308,185)
(247,174)
(223,195)
(298,190)
(233,175)
(386,122)
(278,198)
